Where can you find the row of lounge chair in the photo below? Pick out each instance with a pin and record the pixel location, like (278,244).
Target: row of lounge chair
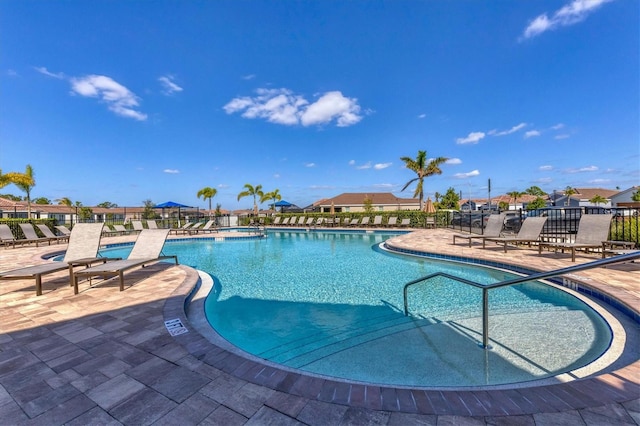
(345,222)
(82,251)
(592,234)
(30,236)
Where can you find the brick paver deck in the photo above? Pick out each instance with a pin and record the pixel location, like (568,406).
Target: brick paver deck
(105,357)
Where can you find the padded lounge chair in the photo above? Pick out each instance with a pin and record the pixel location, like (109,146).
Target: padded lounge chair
(309,221)
(365,221)
(377,221)
(6,236)
(593,230)
(492,230)
(63,230)
(210,226)
(137,225)
(151,224)
(392,221)
(82,250)
(405,222)
(529,233)
(31,236)
(276,220)
(47,232)
(147,249)
(182,229)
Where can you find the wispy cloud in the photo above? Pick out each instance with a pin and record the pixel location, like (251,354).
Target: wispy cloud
(563,136)
(309,164)
(531,134)
(282,106)
(508,132)
(453,161)
(169,86)
(558,126)
(422,116)
(570,14)
(473,137)
(352,162)
(582,169)
(249,77)
(171,171)
(545,168)
(383,185)
(44,71)
(381,166)
(466,175)
(118,98)
(365,166)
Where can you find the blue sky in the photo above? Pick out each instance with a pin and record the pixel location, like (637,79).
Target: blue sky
(128,101)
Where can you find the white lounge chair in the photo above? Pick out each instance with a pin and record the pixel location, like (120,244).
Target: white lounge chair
(147,249)
(492,230)
(31,236)
(377,221)
(47,232)
(82,250)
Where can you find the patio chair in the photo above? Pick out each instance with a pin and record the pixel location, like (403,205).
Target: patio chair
(121,230)
(82,250)
(529,233)
(63,230)
(365,221)
(352,222)
(6,236)
(392,221)
(492,230)
(405,222)
(47,232)
(276,220)
(147,249)
(210,226)
(151,224)
(137,225)
(593,230)
(30,235)
(319,221)
(377,221)
(310,221)
(182,229)
(285,221)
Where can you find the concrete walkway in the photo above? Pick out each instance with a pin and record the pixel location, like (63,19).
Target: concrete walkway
(106,357)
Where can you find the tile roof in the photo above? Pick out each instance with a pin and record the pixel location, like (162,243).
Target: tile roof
(377,198)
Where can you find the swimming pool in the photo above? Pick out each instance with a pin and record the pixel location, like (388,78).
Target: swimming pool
(331,304)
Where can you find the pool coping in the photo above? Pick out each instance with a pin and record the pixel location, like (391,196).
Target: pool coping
(616,386)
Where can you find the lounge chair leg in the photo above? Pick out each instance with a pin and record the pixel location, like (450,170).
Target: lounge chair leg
(75,284)
(38,285)
(121,274)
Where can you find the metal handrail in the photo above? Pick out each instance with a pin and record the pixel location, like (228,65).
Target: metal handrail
(537,276)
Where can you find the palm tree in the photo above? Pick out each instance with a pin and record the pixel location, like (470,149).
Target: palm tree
(26,185)
(64,201)
(207,193)
(15,178)
(568,192)
(515,195)
(423,170)
(273,195)
(250,191)
(598,199)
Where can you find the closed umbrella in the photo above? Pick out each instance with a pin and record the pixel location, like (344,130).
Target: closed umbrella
(429,207)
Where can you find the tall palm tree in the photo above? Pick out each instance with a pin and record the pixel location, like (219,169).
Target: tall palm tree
(207,193)
(568,192)
(251,191)
(273,195)
(515,195)
(423,169)
(26,185)
(64,201)
(15,178)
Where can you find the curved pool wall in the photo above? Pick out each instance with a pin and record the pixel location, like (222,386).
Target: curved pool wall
(401,251)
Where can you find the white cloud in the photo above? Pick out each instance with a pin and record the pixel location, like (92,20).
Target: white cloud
(544,180)
(364,166)
(583,169)
(473,137)
(352,162)
(508,132)
(531,134)
(570,14)
(563,136)
(223,186)
(309,164)
(281,106)
(381,166)
(383,185)
(276,176)
(171,171)
(545,168)
(558,126)
(249,77)
(11,73)
(169,87)
(422,116)
(599,181)
(466,175)
(118,98)
(43,70)
(453,161)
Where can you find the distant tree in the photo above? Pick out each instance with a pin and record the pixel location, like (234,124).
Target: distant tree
(535,190)
(26,184)
(437,196)
(207,193)
(538,203)
(11,197)
(636,196)
(598,199)
(423,169)
(218,210)
(450,200)
(568,192)
(107,205)
(273,195)
(148,212)
(515,195)
(85,213)
(251,191)
(64,202)
(503,205)
(368,204)
(42,201)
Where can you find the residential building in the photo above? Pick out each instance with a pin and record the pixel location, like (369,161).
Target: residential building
(354,202)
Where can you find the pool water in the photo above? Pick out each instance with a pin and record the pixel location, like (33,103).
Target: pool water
(332,304)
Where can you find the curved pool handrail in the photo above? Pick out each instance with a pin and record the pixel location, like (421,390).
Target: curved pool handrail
(627,257)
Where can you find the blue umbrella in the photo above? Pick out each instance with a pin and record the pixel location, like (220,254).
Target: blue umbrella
(283,203)
(169,205)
